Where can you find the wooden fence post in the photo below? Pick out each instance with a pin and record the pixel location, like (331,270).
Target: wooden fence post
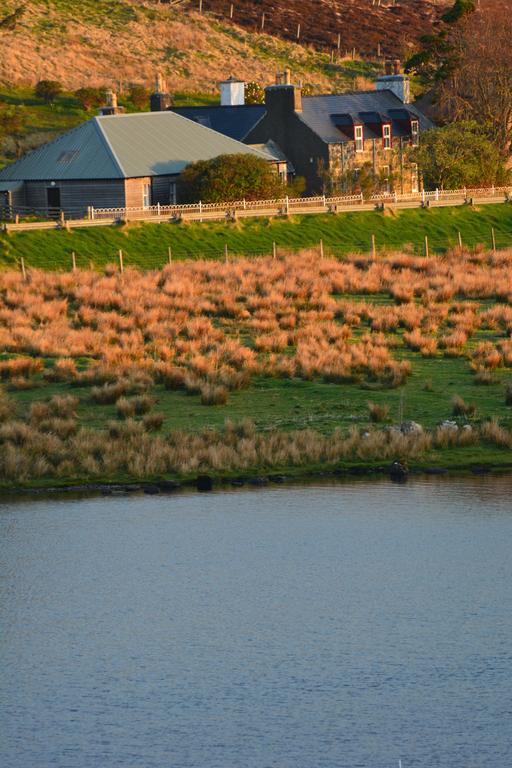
(274,250)
(426,246)
(493,234)
(169,254)
(73,261)
(23,270)
(321,249)
(298,31)
(231,11)
(200,6)
(121,262)
(226,253)
(339,40)
(262,21)
(374,247)
(460,241)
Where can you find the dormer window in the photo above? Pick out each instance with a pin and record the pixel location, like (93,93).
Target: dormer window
(386,136)
(358,137)
(415,132)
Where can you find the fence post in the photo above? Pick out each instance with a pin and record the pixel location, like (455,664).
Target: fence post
(321,249)
(200,211)
(274,250)
(121,263)
(73,261)
(426,246)
(374,247)
(323,200)
(23,270)
(287,205)
(460,241)
(493,234)
(226,253)
(92,212)
(158,209)
(437,194)
(169,254)
(245,204)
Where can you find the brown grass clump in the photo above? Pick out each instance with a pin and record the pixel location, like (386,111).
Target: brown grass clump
(461,408)
(19,367)
(378,412)
(212,394)
(127,407)
(153,422)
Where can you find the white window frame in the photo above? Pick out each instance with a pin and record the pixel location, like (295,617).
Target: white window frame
(415,132)
(358,138)
(386,136)
(146,195)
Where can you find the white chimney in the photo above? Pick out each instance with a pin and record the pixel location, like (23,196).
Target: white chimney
(394,80)
(232,93)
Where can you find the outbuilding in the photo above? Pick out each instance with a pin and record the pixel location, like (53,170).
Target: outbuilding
(114,161)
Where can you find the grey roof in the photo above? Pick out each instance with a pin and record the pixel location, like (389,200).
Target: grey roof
(125,146)
(323,113)
(10,186)
(235,121)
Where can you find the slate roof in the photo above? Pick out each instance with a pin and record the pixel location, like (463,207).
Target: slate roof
(324,113)
(235,122)
(125,146)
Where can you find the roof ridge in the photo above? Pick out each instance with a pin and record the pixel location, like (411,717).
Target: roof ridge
(97,124)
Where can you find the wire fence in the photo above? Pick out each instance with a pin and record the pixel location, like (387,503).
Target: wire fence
(424,245)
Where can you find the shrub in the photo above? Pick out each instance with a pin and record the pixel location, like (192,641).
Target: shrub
(213,394)
(48,90)
(229,177)
(461,408)
(153,421)
(378,412)
(89,97)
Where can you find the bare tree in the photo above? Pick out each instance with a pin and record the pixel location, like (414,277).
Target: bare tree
(480,86)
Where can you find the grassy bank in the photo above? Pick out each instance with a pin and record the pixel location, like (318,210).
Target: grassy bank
(145,245)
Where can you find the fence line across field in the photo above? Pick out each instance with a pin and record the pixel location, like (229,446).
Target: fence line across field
(370,249)
(229,211)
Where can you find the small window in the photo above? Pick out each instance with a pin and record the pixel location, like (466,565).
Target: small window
(358,136)
(386,136)
(172,193)
(146,195)
(415,132)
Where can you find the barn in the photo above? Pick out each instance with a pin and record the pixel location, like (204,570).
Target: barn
(114,161)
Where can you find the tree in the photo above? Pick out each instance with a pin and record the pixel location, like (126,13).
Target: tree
(459,155)
(229,177)
(89,98)
(254,93)
(48,90)
(139,96)
(13,121)
(480,85)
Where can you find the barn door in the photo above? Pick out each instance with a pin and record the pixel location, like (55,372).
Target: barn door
(53,200)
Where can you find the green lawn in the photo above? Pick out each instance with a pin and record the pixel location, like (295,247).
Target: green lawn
(145,245)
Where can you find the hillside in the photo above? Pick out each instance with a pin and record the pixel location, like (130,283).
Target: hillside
(96,42)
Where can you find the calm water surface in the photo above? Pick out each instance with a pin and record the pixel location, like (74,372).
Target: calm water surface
(319,627)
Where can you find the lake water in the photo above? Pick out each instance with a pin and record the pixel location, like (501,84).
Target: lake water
(317,627)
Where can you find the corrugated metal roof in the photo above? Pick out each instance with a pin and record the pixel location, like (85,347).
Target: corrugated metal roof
(10,186)
(78,154)
(235,122)
(318,111)
(125,146)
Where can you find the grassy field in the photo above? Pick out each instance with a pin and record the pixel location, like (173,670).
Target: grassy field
(145,245)
(293,365)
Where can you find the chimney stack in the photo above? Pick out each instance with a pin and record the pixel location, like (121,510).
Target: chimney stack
(283,97)
(394,80)
(161,99)
(111,106)
(232,93)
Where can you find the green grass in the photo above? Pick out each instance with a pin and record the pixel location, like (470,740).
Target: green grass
(145,245)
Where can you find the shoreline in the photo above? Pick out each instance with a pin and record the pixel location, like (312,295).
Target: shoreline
(210,483)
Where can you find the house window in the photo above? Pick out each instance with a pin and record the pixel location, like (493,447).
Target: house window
(358,136)
(386,185)
(146,195)
(415,132)
(415,187)
(386,136)
(172,193)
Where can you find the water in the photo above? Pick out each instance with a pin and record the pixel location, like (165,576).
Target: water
(319,627)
